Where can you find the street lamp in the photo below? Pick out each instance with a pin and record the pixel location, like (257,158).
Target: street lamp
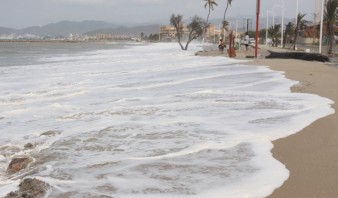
(282,40)
(281,6)
(321,28)
(267,26)
(273,13)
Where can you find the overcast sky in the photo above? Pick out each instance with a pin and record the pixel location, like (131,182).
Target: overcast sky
(24,13)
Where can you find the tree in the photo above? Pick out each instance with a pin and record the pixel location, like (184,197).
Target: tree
(225,27)
(153,37)
(261,35)
(195,27)
(226,8)
(330,15)
(273,32)
(289,31)
(300,22)
(176,21)
(210,4)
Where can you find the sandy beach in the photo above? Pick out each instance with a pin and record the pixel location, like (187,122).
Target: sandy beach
(310,155)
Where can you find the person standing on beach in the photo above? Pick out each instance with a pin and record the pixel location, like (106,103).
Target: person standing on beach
(221,46)
(246,41)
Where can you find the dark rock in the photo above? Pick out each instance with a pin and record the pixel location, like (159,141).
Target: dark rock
(29,146)
(299,55)
(30,188)
(13,194)
(18,164)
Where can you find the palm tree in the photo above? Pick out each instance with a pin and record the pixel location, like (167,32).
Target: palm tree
(300,22)
(289,31)
(225,23)
(226,9)
(273,33)
(210,4)
(330,15)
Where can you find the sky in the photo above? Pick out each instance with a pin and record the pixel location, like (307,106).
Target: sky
(23,13)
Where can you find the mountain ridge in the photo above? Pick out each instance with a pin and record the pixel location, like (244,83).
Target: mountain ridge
(60,28)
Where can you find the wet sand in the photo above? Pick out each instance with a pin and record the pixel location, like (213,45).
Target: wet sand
(310,155)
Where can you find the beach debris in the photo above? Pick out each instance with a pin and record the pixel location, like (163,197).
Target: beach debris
(299,55)
(29,146)
(18,164)
(30,188)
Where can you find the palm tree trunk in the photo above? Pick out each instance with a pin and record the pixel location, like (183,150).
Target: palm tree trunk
(225,11)
(207,25)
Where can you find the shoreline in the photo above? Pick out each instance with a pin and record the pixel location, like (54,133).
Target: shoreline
(310,154)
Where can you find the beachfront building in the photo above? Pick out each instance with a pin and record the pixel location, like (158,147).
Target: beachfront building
(168,33)
(112,37)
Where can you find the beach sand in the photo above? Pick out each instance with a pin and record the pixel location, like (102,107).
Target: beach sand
(310,155)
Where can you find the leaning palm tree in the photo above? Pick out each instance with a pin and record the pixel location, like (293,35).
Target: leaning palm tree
(226,8)
(330,15)
(300,22)
(224,22)
(210,4)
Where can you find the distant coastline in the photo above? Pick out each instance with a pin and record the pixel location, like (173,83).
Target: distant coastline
(43,41)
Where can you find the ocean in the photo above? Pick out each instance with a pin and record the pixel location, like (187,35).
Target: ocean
(145,120)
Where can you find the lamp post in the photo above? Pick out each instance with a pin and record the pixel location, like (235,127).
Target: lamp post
(267,27)
(297,6)
(321,28)
(282,40)
(273,19)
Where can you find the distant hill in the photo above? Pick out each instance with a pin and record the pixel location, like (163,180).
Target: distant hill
(4,30)
(146,29)
(61,28)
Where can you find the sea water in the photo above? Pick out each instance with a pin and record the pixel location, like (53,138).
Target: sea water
(146,121)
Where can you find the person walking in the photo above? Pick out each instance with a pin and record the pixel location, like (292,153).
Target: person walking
(221,46)
(246,41)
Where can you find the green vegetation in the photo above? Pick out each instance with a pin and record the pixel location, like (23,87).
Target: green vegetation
(274,33)
(196,28)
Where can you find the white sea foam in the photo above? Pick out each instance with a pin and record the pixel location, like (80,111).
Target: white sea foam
(150,121)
